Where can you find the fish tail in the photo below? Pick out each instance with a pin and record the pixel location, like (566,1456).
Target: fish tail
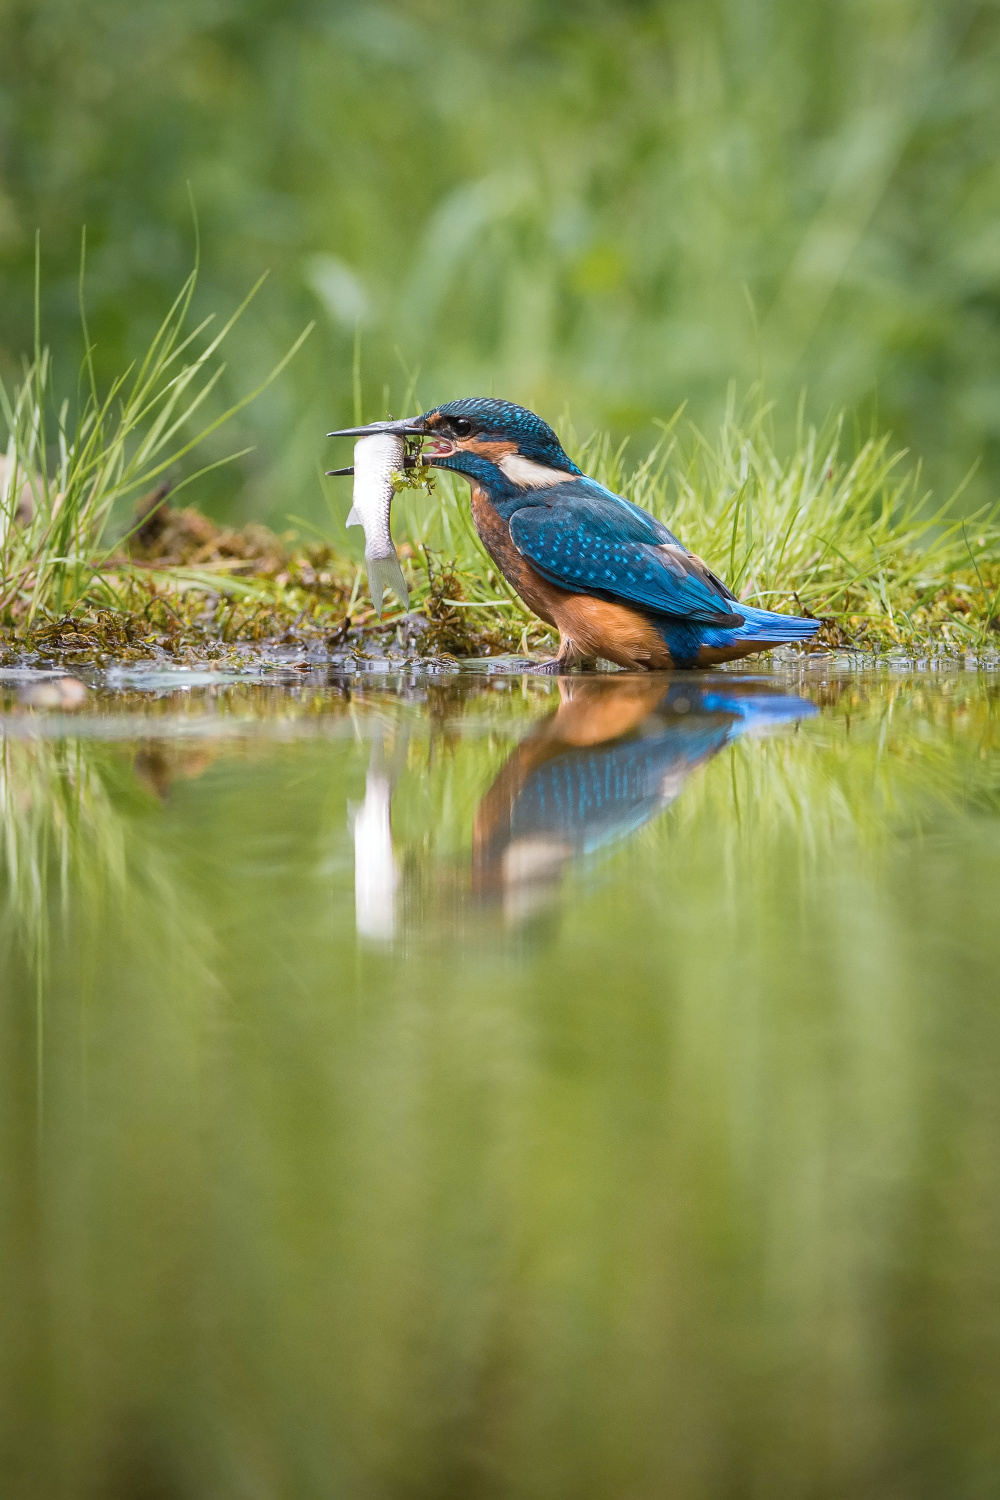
(385,573)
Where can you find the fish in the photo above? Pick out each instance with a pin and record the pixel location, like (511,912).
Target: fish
(376,459)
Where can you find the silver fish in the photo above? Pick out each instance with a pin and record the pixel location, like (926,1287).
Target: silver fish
(376,459)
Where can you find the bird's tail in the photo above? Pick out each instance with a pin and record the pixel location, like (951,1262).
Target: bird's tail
(769,629)
(759,711)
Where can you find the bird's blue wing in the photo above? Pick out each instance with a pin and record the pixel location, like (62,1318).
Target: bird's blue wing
(589,541)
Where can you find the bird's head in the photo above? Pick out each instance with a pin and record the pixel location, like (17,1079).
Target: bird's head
(503,446)
(480,433)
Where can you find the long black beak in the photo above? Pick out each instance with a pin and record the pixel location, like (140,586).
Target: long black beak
(408,427)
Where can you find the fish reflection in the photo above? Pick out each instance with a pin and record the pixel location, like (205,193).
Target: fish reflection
(614,753)
(376,870)
(376,873)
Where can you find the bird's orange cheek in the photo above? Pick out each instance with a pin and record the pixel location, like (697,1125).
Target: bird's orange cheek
(440,446)
(493,450)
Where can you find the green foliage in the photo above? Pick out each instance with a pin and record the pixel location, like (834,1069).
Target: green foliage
(619,207)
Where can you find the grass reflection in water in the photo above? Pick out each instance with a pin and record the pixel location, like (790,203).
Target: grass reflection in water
(656,1156)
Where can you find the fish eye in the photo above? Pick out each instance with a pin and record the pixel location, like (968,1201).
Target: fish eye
(462,426)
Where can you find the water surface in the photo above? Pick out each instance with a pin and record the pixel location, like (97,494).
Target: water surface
(491,1086)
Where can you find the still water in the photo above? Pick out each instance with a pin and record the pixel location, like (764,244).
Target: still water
(497,1087)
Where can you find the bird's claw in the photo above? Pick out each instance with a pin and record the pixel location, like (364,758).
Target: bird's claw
(552,668)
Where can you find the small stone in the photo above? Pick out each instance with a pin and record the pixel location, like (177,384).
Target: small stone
(58,692)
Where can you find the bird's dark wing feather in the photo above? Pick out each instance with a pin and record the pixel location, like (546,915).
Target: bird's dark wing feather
(589,541)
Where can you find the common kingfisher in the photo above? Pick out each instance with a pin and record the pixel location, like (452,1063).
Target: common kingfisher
(612,579)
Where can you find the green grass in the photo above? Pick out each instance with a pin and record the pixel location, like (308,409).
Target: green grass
(66,473)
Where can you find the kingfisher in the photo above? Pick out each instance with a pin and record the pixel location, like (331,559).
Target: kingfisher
(613,579)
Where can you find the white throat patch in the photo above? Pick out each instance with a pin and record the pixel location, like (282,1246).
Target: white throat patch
(529,475)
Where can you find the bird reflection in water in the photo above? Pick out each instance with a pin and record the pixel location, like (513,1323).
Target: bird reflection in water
(613,755)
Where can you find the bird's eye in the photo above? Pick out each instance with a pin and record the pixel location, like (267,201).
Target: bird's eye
(462,426)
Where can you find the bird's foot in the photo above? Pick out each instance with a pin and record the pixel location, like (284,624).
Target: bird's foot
(570,656)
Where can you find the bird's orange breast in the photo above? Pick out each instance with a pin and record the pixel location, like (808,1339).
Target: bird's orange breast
(494,533)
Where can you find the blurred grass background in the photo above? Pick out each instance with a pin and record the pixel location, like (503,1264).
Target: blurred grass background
(606,207)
